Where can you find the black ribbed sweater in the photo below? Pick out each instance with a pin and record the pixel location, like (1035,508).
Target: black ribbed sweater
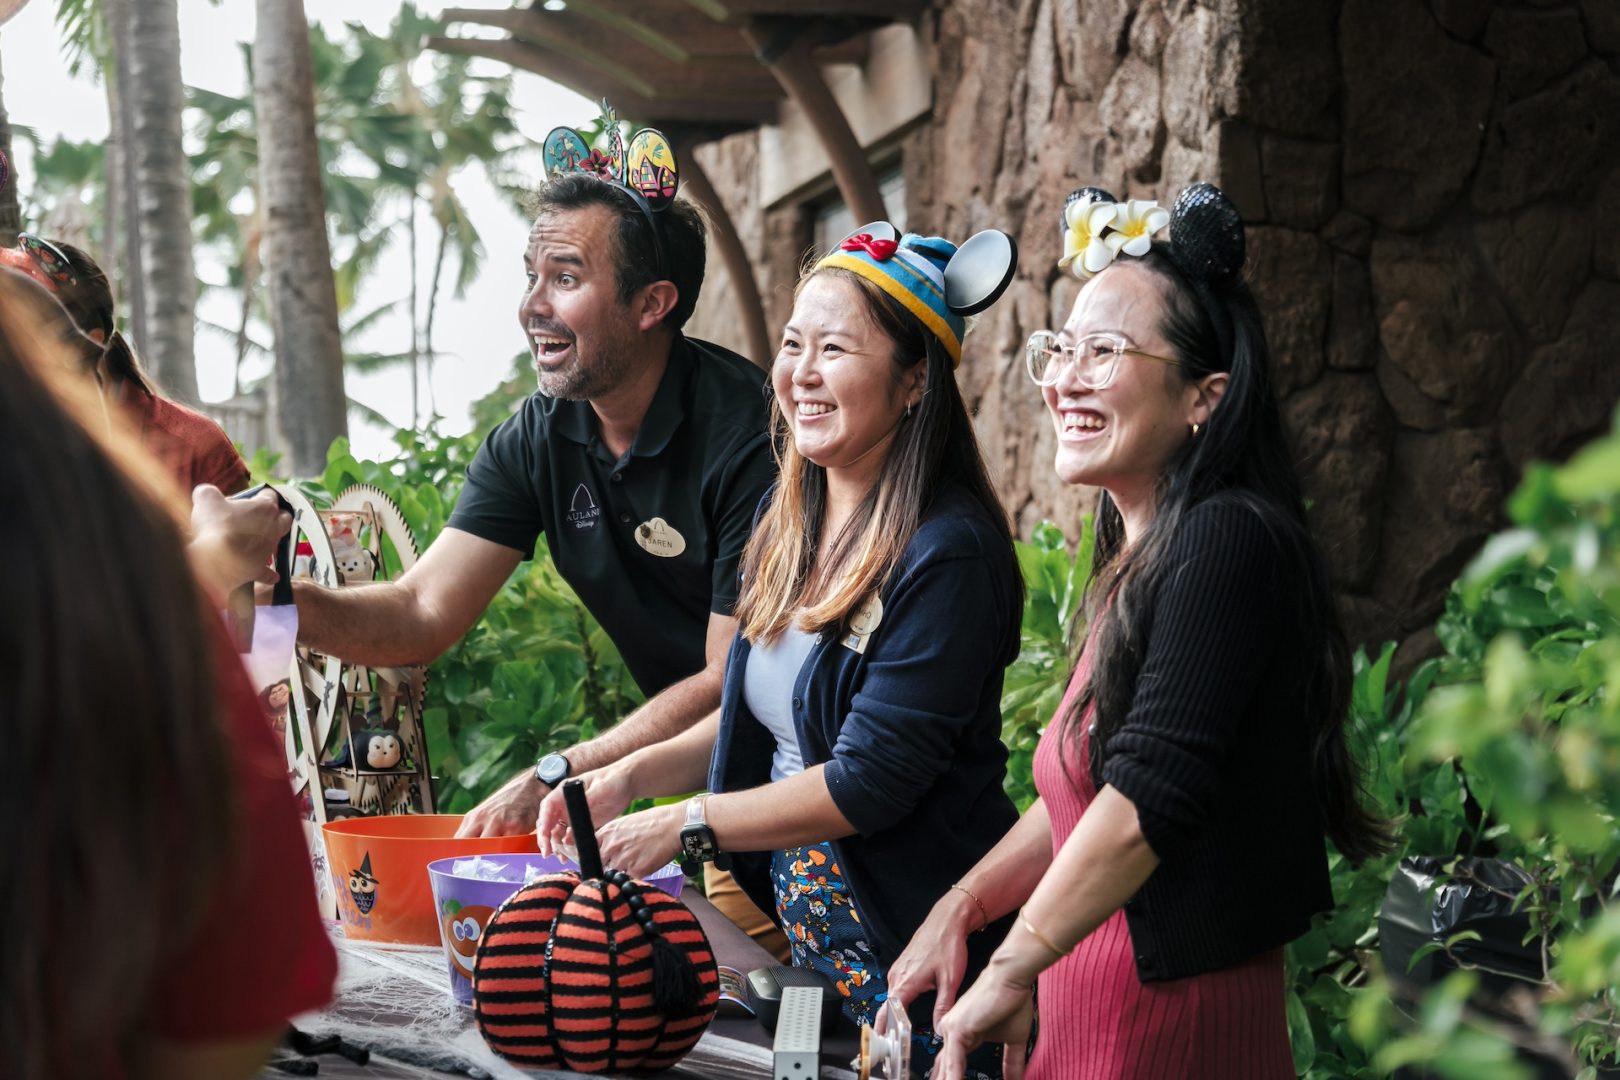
(1215,753)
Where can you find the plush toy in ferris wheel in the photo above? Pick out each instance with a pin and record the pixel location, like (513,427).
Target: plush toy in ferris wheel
(355,743)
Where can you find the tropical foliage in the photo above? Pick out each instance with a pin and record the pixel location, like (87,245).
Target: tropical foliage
(1054,584)
(397,125)
(1507,746)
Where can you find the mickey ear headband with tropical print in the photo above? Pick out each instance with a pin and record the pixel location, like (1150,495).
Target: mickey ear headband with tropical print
(937,281)
(645,169)
(1206,238)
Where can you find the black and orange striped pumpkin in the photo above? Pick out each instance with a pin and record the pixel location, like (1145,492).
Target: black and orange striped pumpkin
(593,972)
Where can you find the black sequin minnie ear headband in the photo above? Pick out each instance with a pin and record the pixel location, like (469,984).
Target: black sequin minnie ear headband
(1206,239)
(645,170)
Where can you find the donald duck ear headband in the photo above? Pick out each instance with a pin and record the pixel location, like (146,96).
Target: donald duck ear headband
(1206,232)
(646,170)
(929,276)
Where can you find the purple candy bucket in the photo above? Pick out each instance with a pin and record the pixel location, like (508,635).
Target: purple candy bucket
(465,902)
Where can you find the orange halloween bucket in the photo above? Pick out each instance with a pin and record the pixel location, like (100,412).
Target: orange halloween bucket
(379,871)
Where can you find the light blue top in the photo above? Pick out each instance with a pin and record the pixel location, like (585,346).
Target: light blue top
(768,688)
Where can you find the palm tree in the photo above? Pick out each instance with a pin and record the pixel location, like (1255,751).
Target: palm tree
(456,118)
(225,172)
(154,100)
(307,390)
(88,29)
(10,213)
(65,190)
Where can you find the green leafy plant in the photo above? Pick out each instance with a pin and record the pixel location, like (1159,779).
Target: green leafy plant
(1522,711)
(1506,746)
(1054,584)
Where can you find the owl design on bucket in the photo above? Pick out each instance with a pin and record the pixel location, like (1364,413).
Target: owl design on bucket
(363,887)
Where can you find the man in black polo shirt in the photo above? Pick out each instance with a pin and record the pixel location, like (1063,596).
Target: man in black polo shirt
(641,460)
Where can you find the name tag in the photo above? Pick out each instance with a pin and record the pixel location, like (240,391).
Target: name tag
(659,537)
(863,623)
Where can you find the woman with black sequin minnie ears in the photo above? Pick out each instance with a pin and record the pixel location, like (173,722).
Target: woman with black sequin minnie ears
(1198,760)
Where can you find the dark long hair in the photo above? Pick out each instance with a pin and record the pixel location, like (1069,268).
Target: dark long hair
(89,300)
(935,447)
(1241,454)
(116,817)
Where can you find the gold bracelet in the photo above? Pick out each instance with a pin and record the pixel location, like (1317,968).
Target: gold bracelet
(976,900)
(1029,928)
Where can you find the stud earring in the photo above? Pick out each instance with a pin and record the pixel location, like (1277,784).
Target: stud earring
(1195,431)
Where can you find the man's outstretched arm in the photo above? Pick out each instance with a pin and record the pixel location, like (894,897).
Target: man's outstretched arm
(516,806)
(415,618)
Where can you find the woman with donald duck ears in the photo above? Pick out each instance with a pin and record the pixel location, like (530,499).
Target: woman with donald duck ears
(1198,758)
(856,762)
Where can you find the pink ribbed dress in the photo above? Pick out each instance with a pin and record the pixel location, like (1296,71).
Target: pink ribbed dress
(1099,1021)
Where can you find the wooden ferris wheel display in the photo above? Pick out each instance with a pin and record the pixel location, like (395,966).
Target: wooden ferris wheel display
(355,742)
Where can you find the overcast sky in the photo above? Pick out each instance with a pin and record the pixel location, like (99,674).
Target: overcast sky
(480,331)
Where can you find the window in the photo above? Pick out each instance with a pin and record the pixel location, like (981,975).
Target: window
(832,220)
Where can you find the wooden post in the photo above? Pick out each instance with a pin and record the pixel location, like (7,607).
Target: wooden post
(789,59)
(723,231)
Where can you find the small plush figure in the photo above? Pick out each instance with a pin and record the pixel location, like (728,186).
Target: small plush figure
(354,562)
(355,565)
(380,748)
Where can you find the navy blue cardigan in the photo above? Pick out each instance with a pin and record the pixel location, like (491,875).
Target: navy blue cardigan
(909,729)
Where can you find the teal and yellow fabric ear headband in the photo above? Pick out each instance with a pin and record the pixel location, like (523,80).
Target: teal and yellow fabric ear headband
(645,170)
(938,282)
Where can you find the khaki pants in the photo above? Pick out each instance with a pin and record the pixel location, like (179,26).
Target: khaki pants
(729,899)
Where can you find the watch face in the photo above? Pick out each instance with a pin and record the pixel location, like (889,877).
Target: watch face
(552,770)
(697,842)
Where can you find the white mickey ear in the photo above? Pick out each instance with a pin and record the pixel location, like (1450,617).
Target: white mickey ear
(980,271)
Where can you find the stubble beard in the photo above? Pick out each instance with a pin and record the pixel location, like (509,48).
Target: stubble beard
(592,376)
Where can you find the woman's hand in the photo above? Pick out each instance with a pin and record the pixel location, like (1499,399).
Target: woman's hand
(232,539)
(998,1007)
(607,793)
(642,843)
(936,956)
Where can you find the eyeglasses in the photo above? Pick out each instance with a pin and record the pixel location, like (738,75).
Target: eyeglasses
(49,258)
(1095,358)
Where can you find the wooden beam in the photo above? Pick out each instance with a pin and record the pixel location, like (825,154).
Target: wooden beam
(728,244)
(644,70)
(807,87)
(855,50)
(592,82)
(669,35)
(740,10)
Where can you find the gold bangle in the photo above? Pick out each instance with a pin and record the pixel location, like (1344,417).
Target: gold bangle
(976,900)
(1029,928)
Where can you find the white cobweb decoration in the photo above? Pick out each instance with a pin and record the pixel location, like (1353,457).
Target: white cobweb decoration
(395,1001)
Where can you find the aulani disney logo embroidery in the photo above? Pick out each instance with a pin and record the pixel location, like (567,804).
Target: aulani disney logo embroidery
(583,513)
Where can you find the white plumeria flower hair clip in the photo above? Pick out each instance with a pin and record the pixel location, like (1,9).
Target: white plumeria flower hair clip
(1097,228)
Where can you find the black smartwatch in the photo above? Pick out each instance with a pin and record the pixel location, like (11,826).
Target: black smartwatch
(697,839)
(552,769)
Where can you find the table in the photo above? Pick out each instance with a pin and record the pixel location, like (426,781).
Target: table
(734,1048)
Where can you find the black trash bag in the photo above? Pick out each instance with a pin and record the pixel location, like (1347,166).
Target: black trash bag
(1426,903)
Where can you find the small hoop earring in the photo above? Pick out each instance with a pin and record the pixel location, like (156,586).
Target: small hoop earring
(1195,431)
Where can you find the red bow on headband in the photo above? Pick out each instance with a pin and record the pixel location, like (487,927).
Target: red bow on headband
(878,249)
